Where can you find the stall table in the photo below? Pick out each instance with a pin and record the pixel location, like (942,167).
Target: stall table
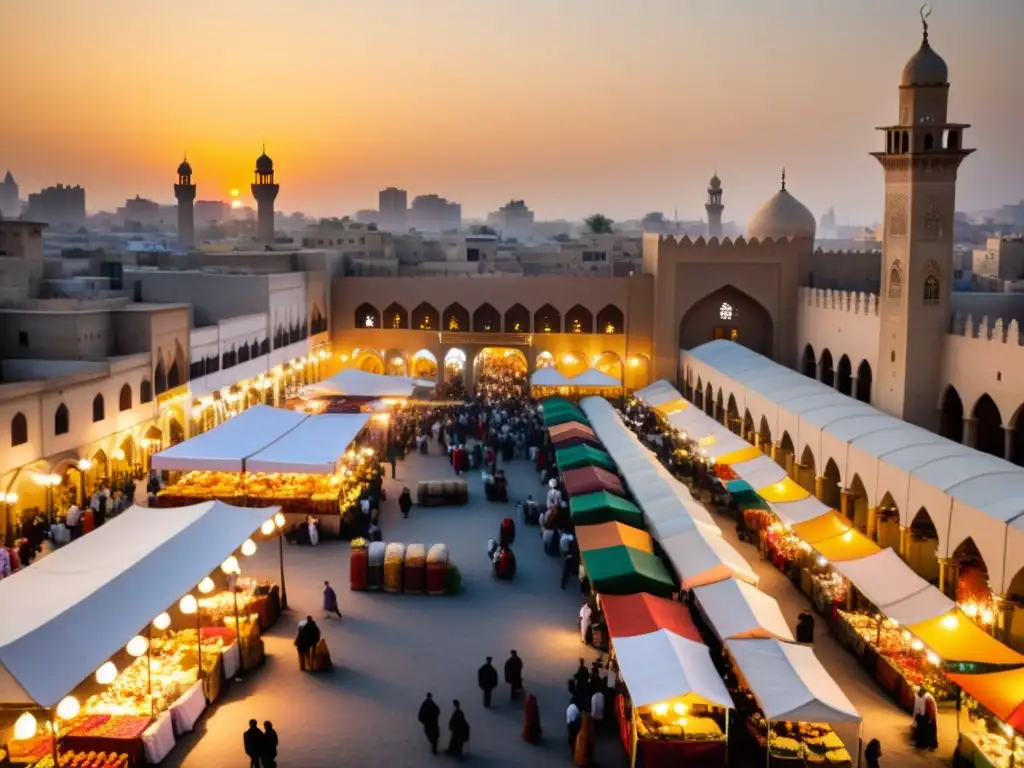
(158,739)
(188,709)
(121,734)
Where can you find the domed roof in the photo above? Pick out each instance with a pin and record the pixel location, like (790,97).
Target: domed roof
(925,67)
(782,216)
(264,164)
(184,169)
(715,183)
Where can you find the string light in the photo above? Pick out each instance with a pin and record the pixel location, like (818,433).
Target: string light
(162,622)
(206,586)
(106,674)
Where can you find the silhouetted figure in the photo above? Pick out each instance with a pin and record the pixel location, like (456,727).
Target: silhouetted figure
(430,716)
(458,729)
(487,679)
(253,741)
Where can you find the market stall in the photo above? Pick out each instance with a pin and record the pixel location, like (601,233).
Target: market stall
(590,480)
(624,570)
(575,435)
(737,610)
(356,383)
(603,507)
(555,411)
(583,456)
(612,534)
(990,718)
(700,558)
(642,613)
(798,702)
(556,430)
(674,707)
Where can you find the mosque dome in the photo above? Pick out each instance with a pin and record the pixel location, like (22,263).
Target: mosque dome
(264,164)
(925,67)
(184,169)
(782,216)
(715,183)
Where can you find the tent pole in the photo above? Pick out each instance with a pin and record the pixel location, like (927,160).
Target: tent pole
(53,738)
(860,741)
(199,645)
(149,669)
(238,629)
(768,744)
(280,561)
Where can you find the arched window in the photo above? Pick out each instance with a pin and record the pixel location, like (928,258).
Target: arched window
(425,318)
(455,318)
(395,316)
(517,319)
(124,401)
(145,391)
(19,430)
(931,290)
(161,378)
(896,280)
(367,316)
(173,376)
(579,320)
(547,319)
(610,320)
(97,409)
(929,142)
(62,420)
(904,142)
(953,140)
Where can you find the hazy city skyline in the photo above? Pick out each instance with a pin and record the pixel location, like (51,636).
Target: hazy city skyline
(576,107)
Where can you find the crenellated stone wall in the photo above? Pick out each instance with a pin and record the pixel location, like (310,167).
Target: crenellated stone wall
(843,322)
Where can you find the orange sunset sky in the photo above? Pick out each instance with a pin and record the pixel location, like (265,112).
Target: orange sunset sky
(620,106)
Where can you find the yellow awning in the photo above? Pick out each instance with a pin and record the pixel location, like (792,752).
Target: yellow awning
(822,528)
(784,490)
(672,406)
(851,545)
(955,637)
(738,457)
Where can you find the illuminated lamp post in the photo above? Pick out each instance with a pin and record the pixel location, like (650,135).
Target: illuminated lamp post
(84,465)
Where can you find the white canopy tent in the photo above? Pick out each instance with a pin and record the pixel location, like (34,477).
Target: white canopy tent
(701,559)
(353,382)
(760,472)
(74,609)
(658,393)
(661,666)
(801,511)
(898,592)
(549,377)
(789,683)
(594,379)
(314,447)
(736,610)
(226,447)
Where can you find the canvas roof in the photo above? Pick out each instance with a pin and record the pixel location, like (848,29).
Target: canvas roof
(590,479)
(593,378)
(548,377)
(626,571)
(657,393)
(632,615)
(353,382)
(314,447)
(602,507)
(575,436)
(1001,693)
(789,683)
(760,472)
(886,580)
(800,511)
(570,426)
(75,608)
(735,609)
(613,534)
(955,637)
(661,666)
(700,559)
(583,456)
(226,447)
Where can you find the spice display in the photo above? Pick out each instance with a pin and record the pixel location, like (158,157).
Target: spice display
(815,743)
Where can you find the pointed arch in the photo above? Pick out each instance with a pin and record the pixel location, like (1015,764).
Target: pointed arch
(810,363)
(486,319)
(367,316)
(858,503)
(765,431)
(888,523)
(864,381)
(396,362)
(455,319)
(423,365)
(61,420)
(517,319)
(786,443)
(728,313)
(922,548)
(896,280)
(173,375)
(951,419)
(572,363)
(732,413)
(709,400)
(828,373)
(988,436)
(19,430)
(547,319)
(974,573)
(160,375)
(579,319)
(425,317)
(748,425)
(124,400)
(395,317)
(610,320)
(698,394)
(611,364)
(99,410)
(807,459)
(831,482)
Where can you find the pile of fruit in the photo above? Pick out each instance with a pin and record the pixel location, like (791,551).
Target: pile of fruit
(725,473)
(111,727)
(93,760)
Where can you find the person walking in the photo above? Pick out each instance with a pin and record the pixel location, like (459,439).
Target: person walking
(429,717)
(584,742)
(269,745)
(393,458)
(487,679)
(253,740)
(458,730)
(514,674)
(597,707)
(405,502)
(872,753)
(330,601)
(305,641)
(572,722)
(532,732)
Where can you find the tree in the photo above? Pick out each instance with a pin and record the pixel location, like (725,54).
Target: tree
(654,222)
(599,224)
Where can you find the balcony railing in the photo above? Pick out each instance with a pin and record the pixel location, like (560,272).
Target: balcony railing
(487,339)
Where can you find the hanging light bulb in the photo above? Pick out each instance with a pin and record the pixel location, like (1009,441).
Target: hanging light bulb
(267,528)
(137,646)
(248,547)
(917,645)
(230,565)
(106,674)
(68,708)
(279,520)
(162,622)
(25,727)
(206,586)
(188,604)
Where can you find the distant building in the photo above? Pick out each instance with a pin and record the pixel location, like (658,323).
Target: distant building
(10,202)
(433,213)
(513,221)
(210,212)
(1002,258)
(58,206)
(367,216)
(139,210)
(392,207)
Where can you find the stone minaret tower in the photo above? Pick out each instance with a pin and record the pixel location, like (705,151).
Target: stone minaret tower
(185,191)
(714,207)
(265,191)
(923,152)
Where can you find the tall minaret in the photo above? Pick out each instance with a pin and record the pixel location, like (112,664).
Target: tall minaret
(714,207)
(185,191)
(923,152)
(265,191)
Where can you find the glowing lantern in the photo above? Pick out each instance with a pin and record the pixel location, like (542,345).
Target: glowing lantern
(917,645)
(949,621)
(106,674)
(230,565)
(68,708)
(137,646)
(206,585)
(188,604)
(279,520)
(248,547)
(987,617)
(162,622)
(661,709)
(267,528)
(25,727)
(932,658)
(971,609)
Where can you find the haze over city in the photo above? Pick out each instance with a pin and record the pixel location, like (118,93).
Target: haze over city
(575,106)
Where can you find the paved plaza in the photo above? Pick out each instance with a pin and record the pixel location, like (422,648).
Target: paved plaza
(390,649)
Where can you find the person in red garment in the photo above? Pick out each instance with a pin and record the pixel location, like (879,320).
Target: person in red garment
(532,732)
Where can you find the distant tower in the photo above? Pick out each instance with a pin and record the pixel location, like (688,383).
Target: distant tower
(714,207)
(265,191)
(923,152)
(185,191)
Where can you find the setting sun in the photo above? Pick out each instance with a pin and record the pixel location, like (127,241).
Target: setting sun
(235,203)
(234,193)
